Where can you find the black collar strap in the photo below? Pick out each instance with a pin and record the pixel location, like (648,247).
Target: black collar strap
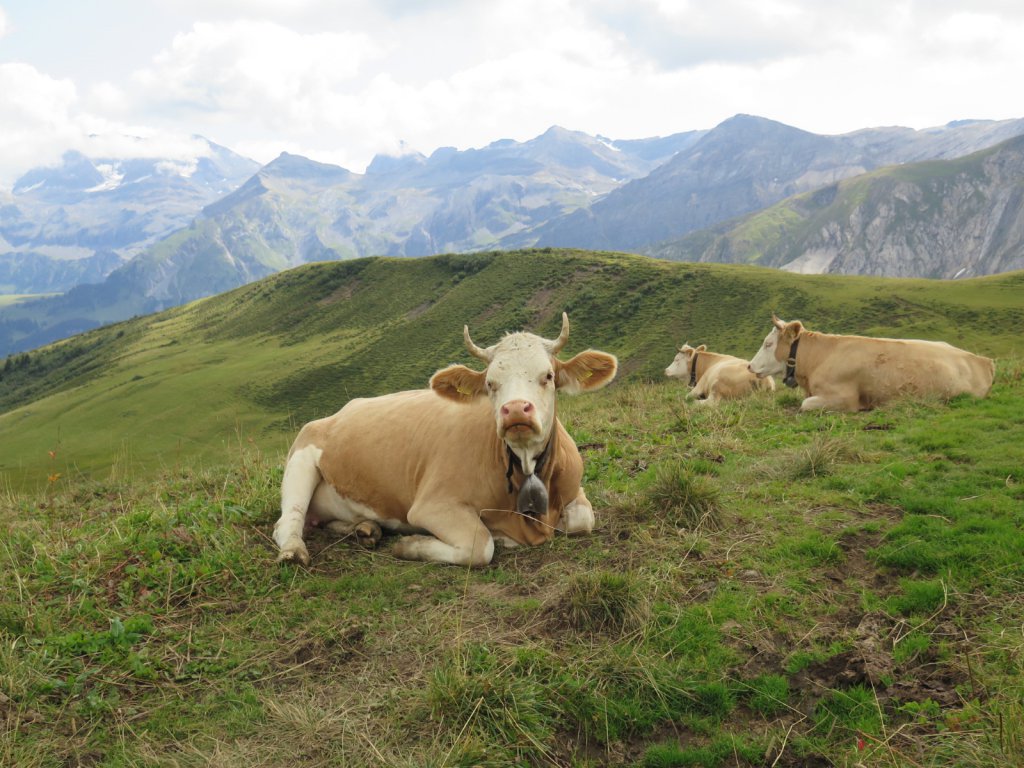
(693,369)
(790,380)
(514,461)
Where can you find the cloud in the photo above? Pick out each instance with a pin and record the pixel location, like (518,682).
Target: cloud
(262,69)
(3,22)
(41,119)
(339,82)
(34,118)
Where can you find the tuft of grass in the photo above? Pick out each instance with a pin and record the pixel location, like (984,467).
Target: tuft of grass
(768,694)
(919,597)
(682,499)
(473,693)
(724,750)
(844,714)
(818,459)
(604,602)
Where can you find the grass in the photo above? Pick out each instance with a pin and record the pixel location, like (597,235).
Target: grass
(763,586)
(828,617)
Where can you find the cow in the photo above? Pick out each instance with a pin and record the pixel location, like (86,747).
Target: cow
(714,377)
(851,373)
(479,456)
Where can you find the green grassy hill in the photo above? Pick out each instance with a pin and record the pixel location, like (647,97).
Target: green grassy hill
(186,385)
(762,587)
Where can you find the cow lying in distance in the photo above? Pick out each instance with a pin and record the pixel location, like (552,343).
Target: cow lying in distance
(714,377)
(479,456)
(850,373)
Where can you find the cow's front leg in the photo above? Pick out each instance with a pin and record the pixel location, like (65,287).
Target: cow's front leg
(458,536)
(301,478)
(578,515)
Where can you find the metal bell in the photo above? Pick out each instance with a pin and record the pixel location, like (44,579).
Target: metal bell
(533,497)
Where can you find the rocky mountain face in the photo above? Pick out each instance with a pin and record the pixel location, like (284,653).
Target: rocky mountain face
(746,164)
(938,219)
(78,221)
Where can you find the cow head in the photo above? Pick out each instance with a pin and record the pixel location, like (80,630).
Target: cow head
(521,378)
(683,362)
(770,359)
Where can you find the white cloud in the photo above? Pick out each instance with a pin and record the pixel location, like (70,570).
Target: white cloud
(273,72)
(338,82)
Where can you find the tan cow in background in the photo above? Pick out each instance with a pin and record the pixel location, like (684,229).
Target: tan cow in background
(850,373)
(714,377)
(477,457)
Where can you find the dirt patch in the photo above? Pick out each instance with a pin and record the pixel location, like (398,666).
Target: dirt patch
(323,654)
(341,293)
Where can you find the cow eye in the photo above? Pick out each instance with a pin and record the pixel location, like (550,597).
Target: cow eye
(492,386)
(549,377)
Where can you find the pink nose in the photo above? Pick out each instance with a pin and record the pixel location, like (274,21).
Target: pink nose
(517,412)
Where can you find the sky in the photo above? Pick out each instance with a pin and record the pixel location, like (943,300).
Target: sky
(339,81)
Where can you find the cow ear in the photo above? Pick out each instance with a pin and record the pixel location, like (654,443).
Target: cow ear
(702,348)
(459,383)
(791,330)
(587,371)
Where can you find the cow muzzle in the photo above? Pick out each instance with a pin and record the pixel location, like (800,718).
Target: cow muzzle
(519,417)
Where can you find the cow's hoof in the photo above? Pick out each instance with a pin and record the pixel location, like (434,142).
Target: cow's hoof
(297,554)
(368,534)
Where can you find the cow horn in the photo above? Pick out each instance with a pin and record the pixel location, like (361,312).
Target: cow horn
(556,345)
(474,350)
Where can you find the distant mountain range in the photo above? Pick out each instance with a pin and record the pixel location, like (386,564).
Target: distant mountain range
(937,219)
(78,221)
(159,238)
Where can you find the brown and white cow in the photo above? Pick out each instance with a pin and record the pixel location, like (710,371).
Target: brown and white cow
(850,373)
(714,377)
(479,456)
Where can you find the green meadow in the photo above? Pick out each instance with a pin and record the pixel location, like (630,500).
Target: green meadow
(763,587)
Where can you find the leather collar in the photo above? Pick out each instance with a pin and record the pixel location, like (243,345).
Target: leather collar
(790,379)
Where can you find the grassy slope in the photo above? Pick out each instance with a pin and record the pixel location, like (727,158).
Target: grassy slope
(185,385)
(763,586)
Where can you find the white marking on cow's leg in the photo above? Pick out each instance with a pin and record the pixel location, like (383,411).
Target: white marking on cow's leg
(301,477)
(461,539)
(578,515)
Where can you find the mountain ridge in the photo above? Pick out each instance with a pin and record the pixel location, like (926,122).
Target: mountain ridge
(937,218)
(508,195)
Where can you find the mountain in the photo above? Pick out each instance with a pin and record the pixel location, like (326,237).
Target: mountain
(747,163)
(298,344)
(294,211)
(939,219)
(563,187)
(79,220)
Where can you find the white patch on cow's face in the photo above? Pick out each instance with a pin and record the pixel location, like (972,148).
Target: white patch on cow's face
(521,387)
(680,368)
(765,362)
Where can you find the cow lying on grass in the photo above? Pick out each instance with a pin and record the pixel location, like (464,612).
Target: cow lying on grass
(714,377)
(850,373)
(479,456)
